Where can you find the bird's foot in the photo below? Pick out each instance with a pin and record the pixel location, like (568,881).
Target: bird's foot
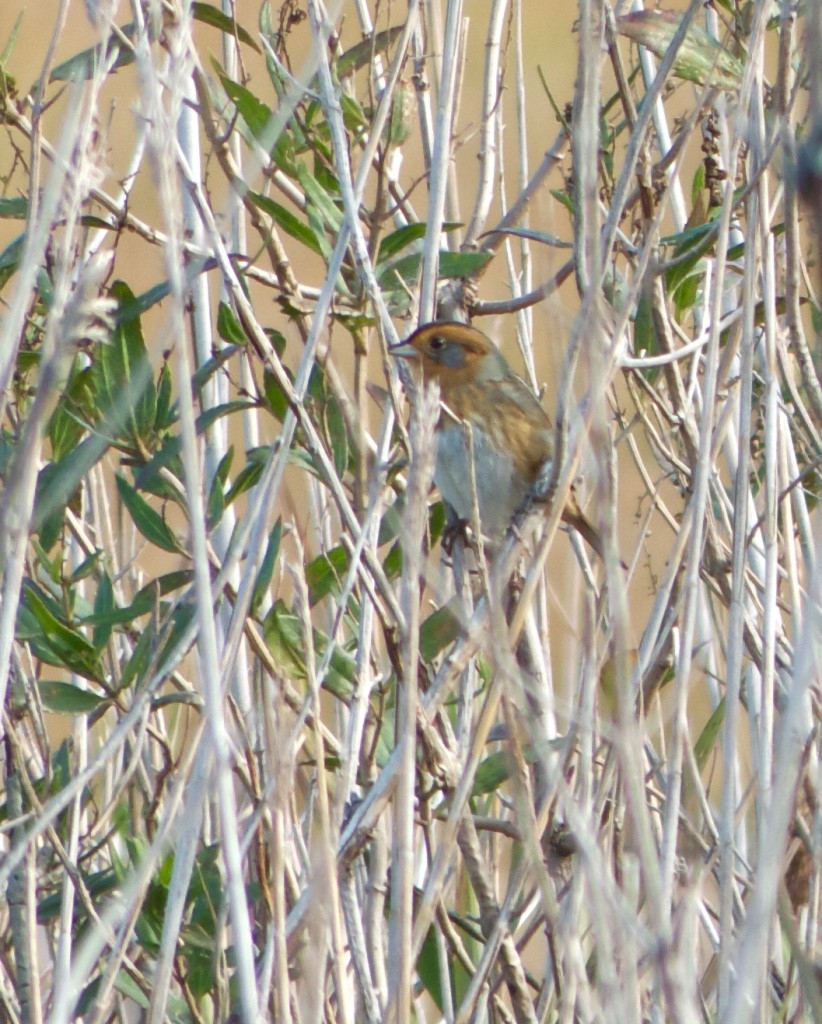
(544,484)
(455,530)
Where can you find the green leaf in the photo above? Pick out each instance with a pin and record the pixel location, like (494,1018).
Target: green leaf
(274,396)
(103,607)
(137,665)
(181,619)
(216,498)
(645,338)
(58,482)
(69,421)
(218,359)
(288,221)
(132,307)
(64,431)
(53,569)
(167,700)
(691,237)
(324,574)
(99,884)
(532,235)
(284,636)
(255,113)
(405,236)
(439,631)
(428,969)
(698,184)
(492,772)
(451,264)
(166,415)
(207,419)
(228,326)
(262,122)
(146,600)
(736,252)
(392,564)
(45,288)
(684,297)
(266,572)
(8,49)
(320,199)
(277,339)
(354,117)
(244,481)
(82,66)
(682,279)
(706,742)
(53,640)
(14,207)
(337,434)
(437,519)
(700,58)
(149,522)
(318,226)
(391,522)
(67,699)
(121,375)
(85,568)
(401,119)
(88,220)
(563,199)
(124,983)
(148,478)
(213,16)
(89,997)
(10,258)
(45,614)
(363,52)
(461,264)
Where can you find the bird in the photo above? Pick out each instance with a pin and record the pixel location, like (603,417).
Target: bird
(512,435)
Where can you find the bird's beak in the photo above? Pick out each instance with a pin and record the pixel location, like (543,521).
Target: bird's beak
(404,351)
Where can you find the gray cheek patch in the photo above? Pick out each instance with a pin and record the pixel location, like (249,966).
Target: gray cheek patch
(452,356)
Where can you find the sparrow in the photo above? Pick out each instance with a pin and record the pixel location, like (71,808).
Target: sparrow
(511,432)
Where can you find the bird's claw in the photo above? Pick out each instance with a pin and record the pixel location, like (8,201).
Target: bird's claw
(455,530)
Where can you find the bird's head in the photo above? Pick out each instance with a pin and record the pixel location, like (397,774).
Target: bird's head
(453,353)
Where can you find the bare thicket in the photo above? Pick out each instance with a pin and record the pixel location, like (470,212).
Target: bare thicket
(273,750)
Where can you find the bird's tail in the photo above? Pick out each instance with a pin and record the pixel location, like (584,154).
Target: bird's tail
(585,528)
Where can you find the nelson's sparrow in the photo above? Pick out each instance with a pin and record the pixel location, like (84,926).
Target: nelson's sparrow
(512,436)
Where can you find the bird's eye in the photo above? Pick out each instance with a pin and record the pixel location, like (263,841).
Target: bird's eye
(437,343)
